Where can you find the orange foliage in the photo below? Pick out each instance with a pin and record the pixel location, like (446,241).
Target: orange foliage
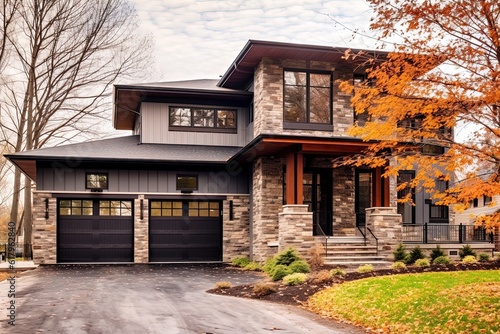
(443,73)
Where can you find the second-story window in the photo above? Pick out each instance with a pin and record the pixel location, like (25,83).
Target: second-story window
(202,119)
(307,97)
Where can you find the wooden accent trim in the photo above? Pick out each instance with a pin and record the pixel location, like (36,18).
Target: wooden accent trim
(326,142)
(387,197)
(377,194)
(299,176)
(290,178)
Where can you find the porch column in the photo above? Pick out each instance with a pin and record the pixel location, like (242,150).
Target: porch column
(387,225)
(141,230)
(296,229)
(294,178)
(381,189)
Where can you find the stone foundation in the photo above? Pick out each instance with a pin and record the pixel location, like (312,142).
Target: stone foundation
(44,229)
(387,226)
(296,229)
(236,231)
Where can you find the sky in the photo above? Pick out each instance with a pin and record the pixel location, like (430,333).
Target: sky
(199,39)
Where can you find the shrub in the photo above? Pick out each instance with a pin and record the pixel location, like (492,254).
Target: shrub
(280,271)
(483,257)
(295,279)
(441,260)
(223,285)
(323,276)
(498,257)
(269,265)
(416,254)
(263,289)
(401,255)
(365,268)
(337,272)
(398,265)
(436,252)
(316,256)
(465,251)
(287,256)
(254,266)
(469,259)
(240,261)
(299,266)
(422,263)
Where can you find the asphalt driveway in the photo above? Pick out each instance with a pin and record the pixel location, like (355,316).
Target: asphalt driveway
(145,299)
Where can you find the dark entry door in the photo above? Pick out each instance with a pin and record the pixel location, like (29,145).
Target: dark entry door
(185,231)
(318,195)
(363,188)
(95,231)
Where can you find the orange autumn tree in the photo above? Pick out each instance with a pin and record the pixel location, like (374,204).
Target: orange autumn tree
(444,74)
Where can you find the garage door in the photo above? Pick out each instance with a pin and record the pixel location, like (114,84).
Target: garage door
(185,231)
(95,231)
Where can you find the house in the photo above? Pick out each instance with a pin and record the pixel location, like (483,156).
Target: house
(215,169)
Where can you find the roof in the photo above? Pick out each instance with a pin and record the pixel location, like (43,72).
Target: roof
(242,69)
(123,149)
(127,98)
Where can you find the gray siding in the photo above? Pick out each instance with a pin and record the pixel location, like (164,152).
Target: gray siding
(142,181)
(154,128)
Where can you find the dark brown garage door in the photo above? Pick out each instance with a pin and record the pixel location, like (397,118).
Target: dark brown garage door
(185,231)
(95,231)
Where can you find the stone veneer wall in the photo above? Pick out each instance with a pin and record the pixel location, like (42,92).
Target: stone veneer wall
(296,229)
(268,98)
(387,226)
(236,232)
(141,230)
(496,239)
(267,202)
(44,230)
(344,215)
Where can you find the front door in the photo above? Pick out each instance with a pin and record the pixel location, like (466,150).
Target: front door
(318,195)
(363,194)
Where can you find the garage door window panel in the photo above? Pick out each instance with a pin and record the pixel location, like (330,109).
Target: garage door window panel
(166,208)
(75,208)
(115,208)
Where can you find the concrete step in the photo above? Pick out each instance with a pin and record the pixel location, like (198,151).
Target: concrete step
(345,240)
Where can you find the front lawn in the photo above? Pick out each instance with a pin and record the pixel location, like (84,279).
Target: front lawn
(437,302)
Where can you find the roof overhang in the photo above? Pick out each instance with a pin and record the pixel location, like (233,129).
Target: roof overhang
(242,69)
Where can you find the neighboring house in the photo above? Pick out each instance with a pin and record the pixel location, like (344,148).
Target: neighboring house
(215,169)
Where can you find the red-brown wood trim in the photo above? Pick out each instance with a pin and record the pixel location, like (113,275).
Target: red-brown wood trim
(299,193)
(315,142)
(377,194)
(290,178)
(387,198)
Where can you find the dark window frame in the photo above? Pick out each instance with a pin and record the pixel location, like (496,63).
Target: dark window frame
(196,176)
(487,200)
(358,79)
(307,125)
(193,128)
(87,174)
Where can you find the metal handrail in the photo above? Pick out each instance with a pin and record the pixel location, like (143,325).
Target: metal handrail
(325,236)
(363,234)
(373,235)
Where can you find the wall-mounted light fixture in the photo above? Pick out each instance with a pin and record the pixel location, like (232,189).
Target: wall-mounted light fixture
(46,208)
(142,209)
(231,214)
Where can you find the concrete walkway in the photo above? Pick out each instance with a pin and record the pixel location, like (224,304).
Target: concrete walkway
(146,299)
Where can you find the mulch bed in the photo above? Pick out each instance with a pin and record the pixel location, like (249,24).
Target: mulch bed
(297,295)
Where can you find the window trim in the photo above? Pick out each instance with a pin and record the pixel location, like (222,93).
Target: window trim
(87,174)
(192,128)
(308,125)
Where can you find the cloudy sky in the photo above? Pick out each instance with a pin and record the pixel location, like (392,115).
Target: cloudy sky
(200,39)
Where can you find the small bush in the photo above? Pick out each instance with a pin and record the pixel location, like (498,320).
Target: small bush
(436,252)
(295,279)
(498,257)
(263,289)
(398,265)
(365,268)
(483,257)
(240,261)
(469,259)
(465,251)
(337,272)
(316,256)
(323,276)
(269,265)
(416,254)
(441,260)
(299,266)
(254,266)
(287,257)
(401,255)
(280,271)
(223,285)
(422,263)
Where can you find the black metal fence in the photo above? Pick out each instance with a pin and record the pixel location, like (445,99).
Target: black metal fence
(445,233)
(21,251)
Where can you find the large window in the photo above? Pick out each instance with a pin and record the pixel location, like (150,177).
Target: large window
(202,119)
(307,98)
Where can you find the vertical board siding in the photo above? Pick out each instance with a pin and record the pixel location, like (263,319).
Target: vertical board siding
(142,181)
(154,123)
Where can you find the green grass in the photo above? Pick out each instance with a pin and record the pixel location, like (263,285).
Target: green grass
(454,302)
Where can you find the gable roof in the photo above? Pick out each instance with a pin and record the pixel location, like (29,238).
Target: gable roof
(123,149)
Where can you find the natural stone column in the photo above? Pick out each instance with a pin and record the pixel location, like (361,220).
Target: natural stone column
(387,226)
(296,229)
(236,231)
(44,229)
(141,230)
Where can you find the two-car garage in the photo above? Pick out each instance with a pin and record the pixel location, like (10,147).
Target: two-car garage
(102,230)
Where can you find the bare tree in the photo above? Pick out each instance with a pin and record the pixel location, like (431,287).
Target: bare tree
(67,54)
